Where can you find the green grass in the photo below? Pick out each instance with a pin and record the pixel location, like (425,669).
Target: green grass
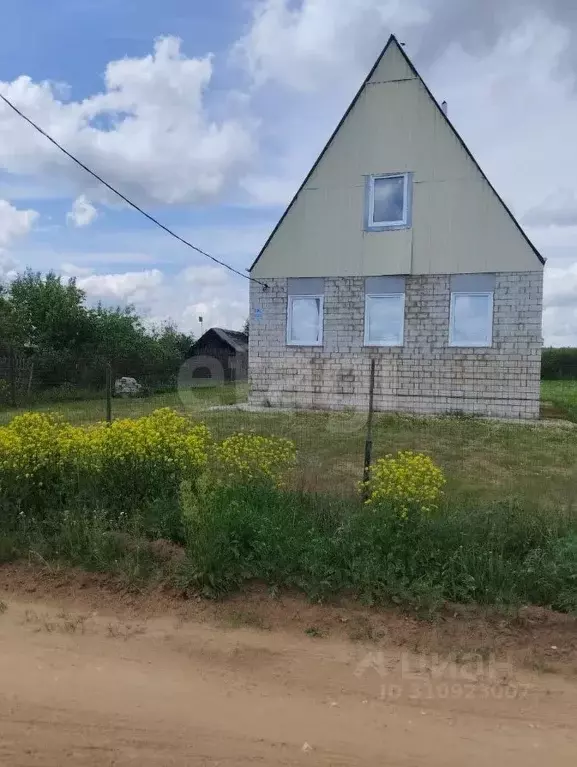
(560,399)
(484,460)
(321,545)
(506,532)
(88,411)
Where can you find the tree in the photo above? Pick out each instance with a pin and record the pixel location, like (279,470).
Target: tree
(72,343)
(13,330)
(51,311)
(246,326)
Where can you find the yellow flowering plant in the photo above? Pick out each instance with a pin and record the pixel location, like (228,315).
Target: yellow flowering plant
(128,461)
(406,483)
(246,458)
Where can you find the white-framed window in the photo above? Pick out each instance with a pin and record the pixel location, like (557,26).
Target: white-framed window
(384,319)
(389,201)
(305,320)
(471,322)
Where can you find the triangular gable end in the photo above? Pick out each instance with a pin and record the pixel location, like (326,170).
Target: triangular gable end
(392,67)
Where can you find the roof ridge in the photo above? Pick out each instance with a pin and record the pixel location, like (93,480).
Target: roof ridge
(392,39)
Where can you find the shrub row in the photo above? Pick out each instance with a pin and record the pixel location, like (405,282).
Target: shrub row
(557,364)
(45,463)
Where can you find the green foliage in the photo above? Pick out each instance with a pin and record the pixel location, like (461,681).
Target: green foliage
(245,458)
(46,319)
(496,554)
(153,498)
(558,364)
(562,395)
(125,466)
(409,482)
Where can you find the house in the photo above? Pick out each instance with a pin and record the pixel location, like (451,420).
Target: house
(397,248)
(221,355)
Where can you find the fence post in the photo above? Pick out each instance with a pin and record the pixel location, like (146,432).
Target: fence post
(30,377)
(108,393)
(369,439)
(12,375)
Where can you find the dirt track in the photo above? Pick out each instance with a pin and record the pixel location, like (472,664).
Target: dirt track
(86,687)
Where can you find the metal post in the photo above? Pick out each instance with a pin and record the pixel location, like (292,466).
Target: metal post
(369,440)
(12,375)
(30,377)
(108,393)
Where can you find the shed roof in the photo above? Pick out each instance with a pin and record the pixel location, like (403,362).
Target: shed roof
(236,339)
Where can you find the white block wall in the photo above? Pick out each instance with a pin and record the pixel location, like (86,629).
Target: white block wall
(425,375)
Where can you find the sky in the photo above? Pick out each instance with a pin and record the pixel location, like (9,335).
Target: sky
(210,115)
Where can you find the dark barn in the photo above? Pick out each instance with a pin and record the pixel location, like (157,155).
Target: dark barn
(221,353)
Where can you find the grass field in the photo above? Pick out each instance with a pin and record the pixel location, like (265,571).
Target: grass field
(560,399)
(483,460)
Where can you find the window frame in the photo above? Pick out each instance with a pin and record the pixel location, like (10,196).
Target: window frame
(291,299)
(379,226)
(490,315)
(367,341)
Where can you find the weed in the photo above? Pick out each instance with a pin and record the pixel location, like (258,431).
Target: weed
(364,631)
(315,632)
(247,619)
(3,606)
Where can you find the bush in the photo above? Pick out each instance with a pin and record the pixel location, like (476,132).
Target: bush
(45,462)
(559,364)
(249,458)
(409,482)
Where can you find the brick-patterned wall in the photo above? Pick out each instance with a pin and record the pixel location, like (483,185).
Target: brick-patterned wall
(425,375)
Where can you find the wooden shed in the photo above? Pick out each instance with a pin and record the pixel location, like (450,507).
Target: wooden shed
(221,353)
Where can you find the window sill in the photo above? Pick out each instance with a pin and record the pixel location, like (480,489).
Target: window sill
(367,345)
(305,346)
(386,227)
(471,346)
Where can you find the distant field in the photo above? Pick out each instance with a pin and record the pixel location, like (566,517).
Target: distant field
(482,459)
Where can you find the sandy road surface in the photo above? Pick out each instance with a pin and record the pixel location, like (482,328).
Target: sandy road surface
(88,688)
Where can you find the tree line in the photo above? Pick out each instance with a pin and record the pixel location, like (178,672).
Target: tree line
(47,327)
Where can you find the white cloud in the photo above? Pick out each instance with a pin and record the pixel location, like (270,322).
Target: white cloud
(558,209)
(8,267)
(319,43)
(128,287)
(150,131)
(221,299)
(205,276)
(14,223)
(560,306)
(73,270)
(83,212)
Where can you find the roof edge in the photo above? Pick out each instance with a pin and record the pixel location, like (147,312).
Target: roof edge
(350,108)
(393,39)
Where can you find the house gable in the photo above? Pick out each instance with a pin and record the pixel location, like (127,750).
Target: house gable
(394,125)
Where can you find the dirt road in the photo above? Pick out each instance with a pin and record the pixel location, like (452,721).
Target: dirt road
(81,687)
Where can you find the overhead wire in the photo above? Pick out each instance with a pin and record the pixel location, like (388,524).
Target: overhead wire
(126,199)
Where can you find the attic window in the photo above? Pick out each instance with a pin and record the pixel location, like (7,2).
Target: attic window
(388,202)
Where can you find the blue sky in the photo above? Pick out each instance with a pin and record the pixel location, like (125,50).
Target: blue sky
(210,114)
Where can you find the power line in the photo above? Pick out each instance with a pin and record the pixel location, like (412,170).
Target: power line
(123,197)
